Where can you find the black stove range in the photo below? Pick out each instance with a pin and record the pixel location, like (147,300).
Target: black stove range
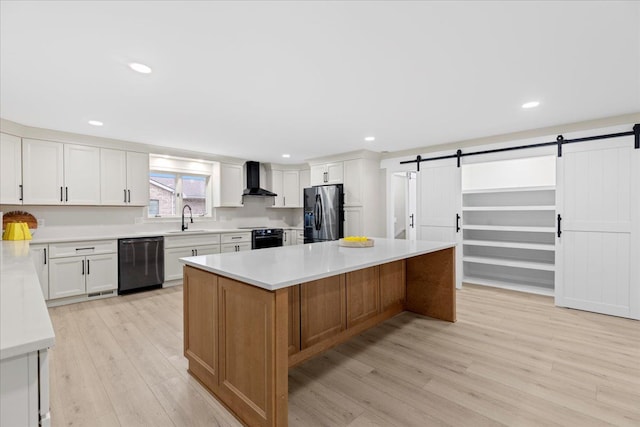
(263,237)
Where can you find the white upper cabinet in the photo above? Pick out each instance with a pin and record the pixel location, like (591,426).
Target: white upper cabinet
(10,169)
(43,172)
(327,173)
(286,184)
(81,175)
(291,189)
(124,177)
(276,187)
(113,177)
(228,185)
(352,182)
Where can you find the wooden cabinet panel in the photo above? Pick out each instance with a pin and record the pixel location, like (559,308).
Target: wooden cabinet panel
(248,350)
(392,284)
(322,309)
(363,295)
(200,324)
(294,320)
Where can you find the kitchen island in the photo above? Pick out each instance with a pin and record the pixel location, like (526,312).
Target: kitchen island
(250,316)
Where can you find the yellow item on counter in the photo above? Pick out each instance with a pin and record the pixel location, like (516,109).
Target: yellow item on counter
(356,239)
(17,231)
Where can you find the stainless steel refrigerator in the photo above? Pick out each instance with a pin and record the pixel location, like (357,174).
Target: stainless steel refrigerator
(323,213)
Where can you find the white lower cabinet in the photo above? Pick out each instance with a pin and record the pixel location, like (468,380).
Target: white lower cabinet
(182,246)
(235,247)
(172,264)
(290,238)
(24,390)
(39,255)
(82,275)
(80,268)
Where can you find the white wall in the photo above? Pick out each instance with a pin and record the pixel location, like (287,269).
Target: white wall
(529,172)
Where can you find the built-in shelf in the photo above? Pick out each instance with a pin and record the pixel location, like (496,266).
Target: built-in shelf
(509,238)
(532,289)
(510,263)
(513,245)
(510,228)
(507,190)
(509,208)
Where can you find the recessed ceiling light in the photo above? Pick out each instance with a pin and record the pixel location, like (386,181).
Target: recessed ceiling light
(532,104)
(286,156)
(370,138)
(95,123)
(141,68)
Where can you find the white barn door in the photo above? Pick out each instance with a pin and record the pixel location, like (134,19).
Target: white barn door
(439,205)
(597,253)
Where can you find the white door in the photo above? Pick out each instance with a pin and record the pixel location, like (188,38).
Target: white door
(317,175)
(113,177)
(101,272)
(597,253)
(10,169)
(81,175)
(440,206)
(291,189)
(66,277)
(411,196)
(137,178)
(42,174)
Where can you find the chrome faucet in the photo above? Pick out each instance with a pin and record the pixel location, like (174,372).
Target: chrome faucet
(185,226)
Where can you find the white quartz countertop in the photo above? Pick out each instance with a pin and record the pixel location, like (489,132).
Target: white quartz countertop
(284,266)
(75,234)
(25,325)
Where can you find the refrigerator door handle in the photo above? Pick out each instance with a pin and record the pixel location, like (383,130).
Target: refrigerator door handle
(316,213)
(321,214)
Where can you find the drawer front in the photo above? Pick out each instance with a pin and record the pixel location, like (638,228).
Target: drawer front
(90,247)
(236,237)
(191,240)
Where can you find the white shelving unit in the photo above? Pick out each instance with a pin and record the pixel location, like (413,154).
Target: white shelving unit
(509,238)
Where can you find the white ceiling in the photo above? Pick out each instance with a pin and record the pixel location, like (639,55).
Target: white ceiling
(258,79)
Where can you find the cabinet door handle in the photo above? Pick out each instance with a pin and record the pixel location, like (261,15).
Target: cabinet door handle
(125,195)
(411,218)
(284,201)
(83,267)
(236,237)
(66,194)
(45,256)
(86,249)
(457,223)
(129,195)
(559,227)
(61,199)
(196,251)
(21,192)
(88,270)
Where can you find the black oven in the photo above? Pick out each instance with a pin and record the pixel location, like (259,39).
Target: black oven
(267,238)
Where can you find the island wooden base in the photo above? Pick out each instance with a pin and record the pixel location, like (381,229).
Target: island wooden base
(240,339)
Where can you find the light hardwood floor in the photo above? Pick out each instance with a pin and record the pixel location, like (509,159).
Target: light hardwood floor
(511,359)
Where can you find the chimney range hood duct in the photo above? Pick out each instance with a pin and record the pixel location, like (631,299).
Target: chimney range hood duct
(253,181)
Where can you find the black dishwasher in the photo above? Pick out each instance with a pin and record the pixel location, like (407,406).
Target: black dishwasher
(140,264)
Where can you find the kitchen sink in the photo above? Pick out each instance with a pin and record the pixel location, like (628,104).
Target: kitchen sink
(187,231)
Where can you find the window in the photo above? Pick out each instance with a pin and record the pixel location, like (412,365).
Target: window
(169,192)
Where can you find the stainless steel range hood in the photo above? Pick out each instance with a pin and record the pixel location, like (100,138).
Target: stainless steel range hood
(253,182)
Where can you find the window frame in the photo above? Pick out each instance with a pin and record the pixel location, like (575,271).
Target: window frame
(181,167)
